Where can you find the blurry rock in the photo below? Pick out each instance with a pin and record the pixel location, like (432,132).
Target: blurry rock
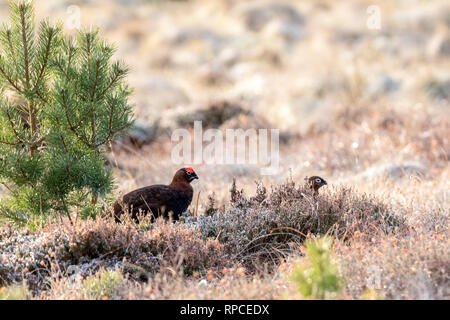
(445,47)
(395,172)
(389,121)
(243,69)
(288,31)
(416,40)
(141,134)
(213,75)
(272,56)
(213,115)
(277,18)
(228,57)
(438,90)
(134,29)
(129,2)
(257,17)
(416,18)
(216,71)
(406,169)
(305,106)
(154,95)
(439,42)
(252,87)
(400,44)
(384,84)
(303,112)
(188,36)
(253,121)
(330,83)
(348,37)
(185,58)
(245,121)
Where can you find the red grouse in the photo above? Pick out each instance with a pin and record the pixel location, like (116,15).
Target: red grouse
(161,200)
(316,183)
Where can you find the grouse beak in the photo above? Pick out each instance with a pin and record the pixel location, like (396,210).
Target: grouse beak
(193,177)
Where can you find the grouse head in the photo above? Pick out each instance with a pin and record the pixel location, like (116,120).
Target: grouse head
(185,175)
(316,182)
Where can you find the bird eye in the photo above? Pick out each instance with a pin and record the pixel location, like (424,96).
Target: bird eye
(318,180)
(188,172)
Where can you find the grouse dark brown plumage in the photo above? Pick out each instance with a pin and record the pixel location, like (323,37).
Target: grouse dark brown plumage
(316,183)
(161,200)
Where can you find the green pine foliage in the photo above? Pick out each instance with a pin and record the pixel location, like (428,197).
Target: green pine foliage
(317,276)
(102,285)
(62,100)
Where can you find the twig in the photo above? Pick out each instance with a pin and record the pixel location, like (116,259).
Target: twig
(25,46)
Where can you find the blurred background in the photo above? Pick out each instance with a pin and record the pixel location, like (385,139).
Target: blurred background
(359,90)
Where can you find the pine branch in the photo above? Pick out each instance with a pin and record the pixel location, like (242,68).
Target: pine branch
(84,117)
(10,143)
(71,127)
(111,113)
(118,75)
(62,137)
(40,96)
(97,68)
(13,127)
(22,9)
(64,143)
(10,44)
(61,69)
(88,43)
(51,33)
(26,26)
(71,53)
(8,76)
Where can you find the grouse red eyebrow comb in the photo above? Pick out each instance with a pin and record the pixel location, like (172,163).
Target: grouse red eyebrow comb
(189,169)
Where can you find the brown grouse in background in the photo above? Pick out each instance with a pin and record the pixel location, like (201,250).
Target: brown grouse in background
(162,200)
(315,183)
